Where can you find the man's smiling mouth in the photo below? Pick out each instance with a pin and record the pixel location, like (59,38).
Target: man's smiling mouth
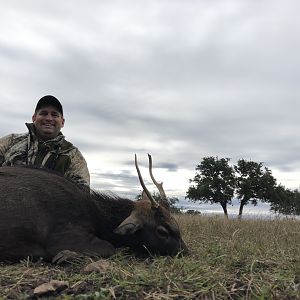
(48,125)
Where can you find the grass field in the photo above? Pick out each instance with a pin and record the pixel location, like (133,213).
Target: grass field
(230,259)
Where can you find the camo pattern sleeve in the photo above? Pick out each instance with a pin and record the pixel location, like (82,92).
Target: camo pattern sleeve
(78,171)
(5,143)
(13,149)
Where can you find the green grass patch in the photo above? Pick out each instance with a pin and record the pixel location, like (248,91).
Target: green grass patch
(230,259)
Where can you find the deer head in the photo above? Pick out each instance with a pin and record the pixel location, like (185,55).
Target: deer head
(152,222)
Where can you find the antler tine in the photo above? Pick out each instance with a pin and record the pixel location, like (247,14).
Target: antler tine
(158,185)
(153,202)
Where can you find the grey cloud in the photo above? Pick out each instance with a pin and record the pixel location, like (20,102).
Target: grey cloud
(180,82)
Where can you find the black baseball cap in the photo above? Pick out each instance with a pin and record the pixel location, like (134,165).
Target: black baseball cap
(49,100)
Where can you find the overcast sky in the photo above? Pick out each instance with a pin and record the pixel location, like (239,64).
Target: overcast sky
(178,79)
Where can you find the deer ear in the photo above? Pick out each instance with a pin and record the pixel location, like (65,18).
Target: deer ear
(129,226)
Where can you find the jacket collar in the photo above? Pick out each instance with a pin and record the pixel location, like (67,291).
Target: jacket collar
(59,141)
(32,132)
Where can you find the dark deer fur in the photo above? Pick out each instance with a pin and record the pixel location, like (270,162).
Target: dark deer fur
(42,214)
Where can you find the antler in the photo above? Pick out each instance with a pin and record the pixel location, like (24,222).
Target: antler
(158,185)
(153,202)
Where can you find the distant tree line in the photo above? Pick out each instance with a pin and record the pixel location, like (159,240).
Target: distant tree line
(170,200)
(216,181)
(285,201)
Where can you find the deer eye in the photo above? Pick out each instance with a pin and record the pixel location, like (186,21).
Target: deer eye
(162,232)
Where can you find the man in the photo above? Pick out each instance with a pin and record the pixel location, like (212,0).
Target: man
(44,145)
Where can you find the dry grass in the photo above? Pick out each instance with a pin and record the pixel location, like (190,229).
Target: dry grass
(229,259)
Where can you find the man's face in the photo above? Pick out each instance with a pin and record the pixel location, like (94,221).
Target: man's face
(48,122)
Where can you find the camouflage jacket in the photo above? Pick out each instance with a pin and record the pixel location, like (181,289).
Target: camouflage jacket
(56,154)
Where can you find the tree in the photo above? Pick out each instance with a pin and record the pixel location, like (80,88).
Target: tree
(285,201)
(253,182)
(214,182)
